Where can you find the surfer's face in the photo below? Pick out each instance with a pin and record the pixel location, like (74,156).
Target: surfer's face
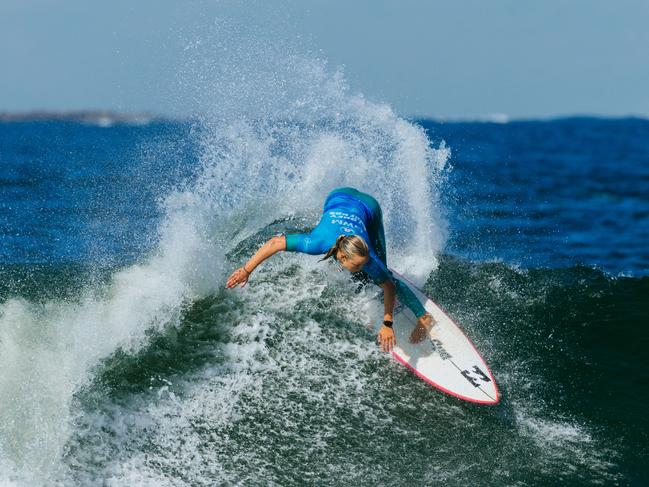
(353,264)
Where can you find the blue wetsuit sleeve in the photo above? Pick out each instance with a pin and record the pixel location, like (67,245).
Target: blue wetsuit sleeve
(408,298)
(377,270)
(294,241)
(380,273)
(305,243)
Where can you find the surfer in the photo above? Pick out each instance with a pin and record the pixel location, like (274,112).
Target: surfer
(350,231)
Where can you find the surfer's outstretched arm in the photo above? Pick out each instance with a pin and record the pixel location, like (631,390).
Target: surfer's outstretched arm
(270,248)
(386,335)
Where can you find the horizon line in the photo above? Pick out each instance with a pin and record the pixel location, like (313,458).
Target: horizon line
(143,117)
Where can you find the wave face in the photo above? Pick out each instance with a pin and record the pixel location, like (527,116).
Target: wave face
(282,383)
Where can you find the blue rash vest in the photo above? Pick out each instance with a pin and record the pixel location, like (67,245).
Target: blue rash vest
(345,213)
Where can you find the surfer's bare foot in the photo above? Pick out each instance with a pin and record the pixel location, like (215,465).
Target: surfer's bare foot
(423,326)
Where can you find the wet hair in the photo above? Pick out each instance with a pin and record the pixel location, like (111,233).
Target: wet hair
(349,245)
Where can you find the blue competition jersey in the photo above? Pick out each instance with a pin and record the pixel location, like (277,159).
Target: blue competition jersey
(342,215)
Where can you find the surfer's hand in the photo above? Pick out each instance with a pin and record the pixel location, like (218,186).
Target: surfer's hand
(386,338)
(240,276)
(424,324)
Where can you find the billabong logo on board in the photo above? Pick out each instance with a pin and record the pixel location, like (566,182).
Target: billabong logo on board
(474,380)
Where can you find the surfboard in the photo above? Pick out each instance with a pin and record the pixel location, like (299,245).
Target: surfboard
(446,358)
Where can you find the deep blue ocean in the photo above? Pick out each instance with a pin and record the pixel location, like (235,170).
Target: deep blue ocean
(123,361)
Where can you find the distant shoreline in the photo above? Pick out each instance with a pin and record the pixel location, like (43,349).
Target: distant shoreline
(95,117)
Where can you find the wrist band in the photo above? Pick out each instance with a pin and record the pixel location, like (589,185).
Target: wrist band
(388,323)
(244,268)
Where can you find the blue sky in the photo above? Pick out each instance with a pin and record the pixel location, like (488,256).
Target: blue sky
(460,58)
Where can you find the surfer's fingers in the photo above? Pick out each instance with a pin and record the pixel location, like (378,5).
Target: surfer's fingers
(233,280)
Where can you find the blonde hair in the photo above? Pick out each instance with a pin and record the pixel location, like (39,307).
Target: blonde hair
(349,245)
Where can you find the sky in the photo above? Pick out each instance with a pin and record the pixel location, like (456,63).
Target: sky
(426,58)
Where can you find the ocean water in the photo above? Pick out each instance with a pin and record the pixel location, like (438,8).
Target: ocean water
(124,361)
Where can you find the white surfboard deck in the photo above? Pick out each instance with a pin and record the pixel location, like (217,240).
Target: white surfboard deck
(446,359)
